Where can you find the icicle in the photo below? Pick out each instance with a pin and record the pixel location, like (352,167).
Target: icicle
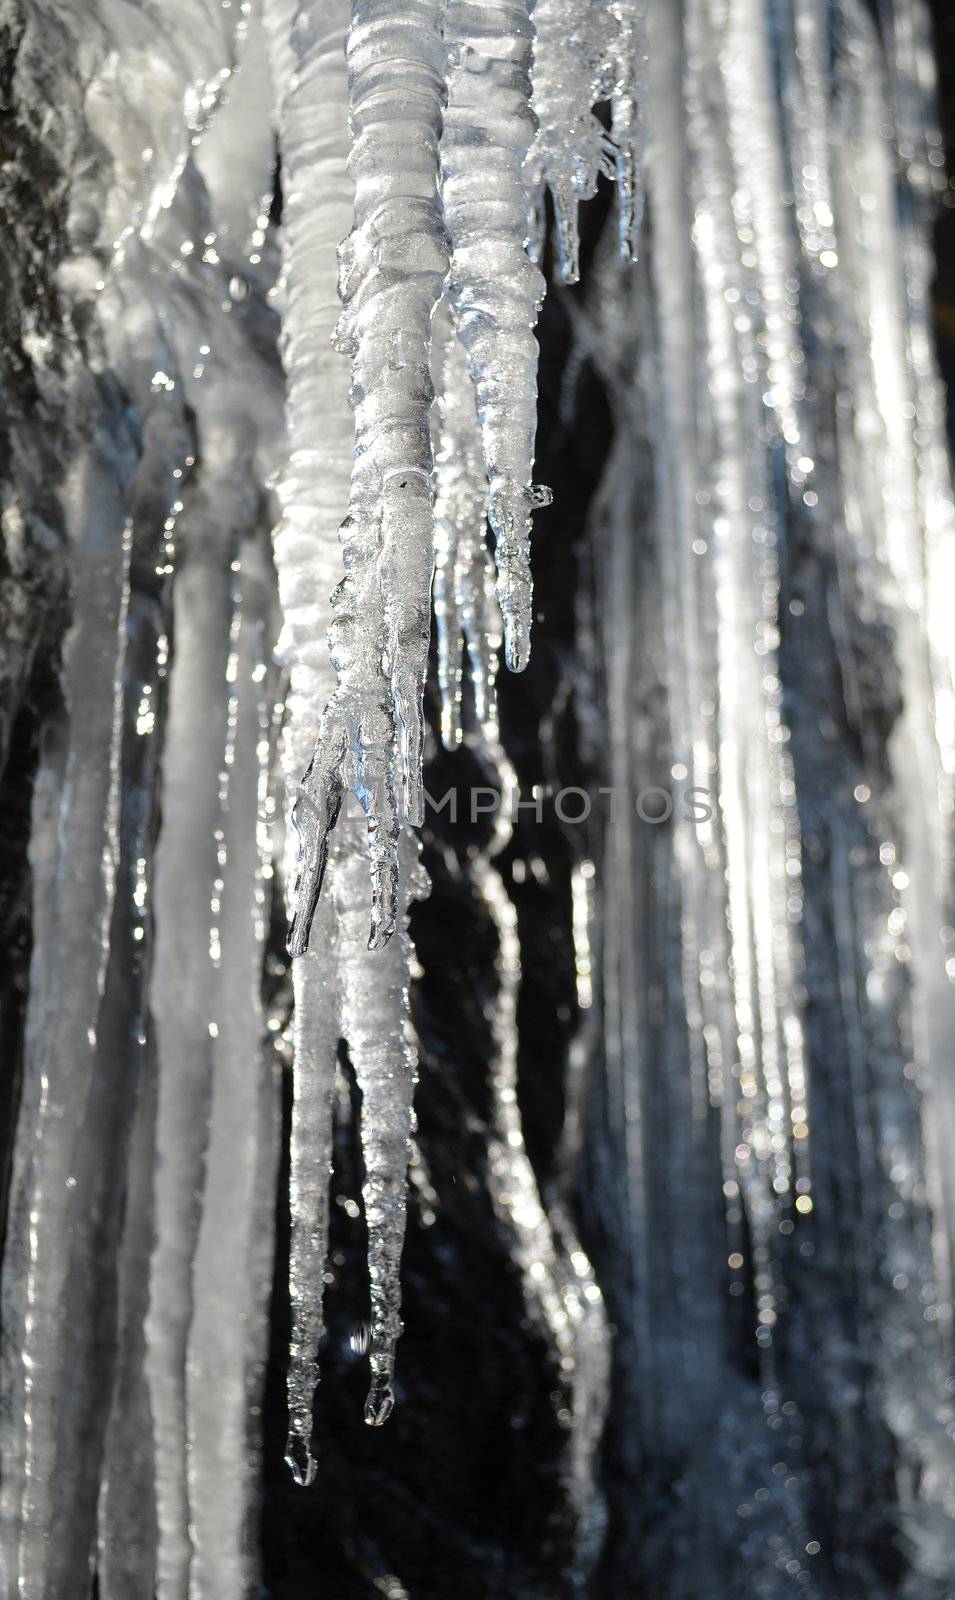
(376,1026)
(48,1228)
(340,988)
(466,612)
(897,506)
(225,1289)
(629,118)
(571,148)
(182,1000)
(586,51)
(308,69)
(126,1522)
(315,1040)
(111,201)
(494,289)
(558,1279)
(392,270)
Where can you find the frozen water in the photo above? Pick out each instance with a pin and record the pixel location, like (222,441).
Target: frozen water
(257,413)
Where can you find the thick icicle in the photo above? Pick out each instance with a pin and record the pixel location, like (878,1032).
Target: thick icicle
(111,196)
(393,266)
(340,988)
(494,288)
(127,1057)
(311,92)
(126,1519)
(743,246)
(183,986)
(208,868)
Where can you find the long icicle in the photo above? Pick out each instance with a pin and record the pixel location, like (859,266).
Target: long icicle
(341,989)
(310,88)
(393,267)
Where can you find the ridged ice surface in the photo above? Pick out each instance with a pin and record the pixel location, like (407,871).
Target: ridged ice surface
(342,990)
(494,289)
(392,269)
(270,378)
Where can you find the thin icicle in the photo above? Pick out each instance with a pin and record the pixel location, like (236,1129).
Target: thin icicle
(466,611)
(494,288)
(558,1278)
(225,1290)
(559,1282)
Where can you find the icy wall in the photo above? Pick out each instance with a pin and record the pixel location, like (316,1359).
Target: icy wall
(677,1171)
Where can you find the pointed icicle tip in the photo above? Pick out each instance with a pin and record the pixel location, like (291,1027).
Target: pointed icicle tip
(380,1404)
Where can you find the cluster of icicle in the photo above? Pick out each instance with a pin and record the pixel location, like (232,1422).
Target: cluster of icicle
(451,138)
(441,200)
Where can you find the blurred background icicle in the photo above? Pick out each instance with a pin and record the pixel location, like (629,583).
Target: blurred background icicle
(660,1002)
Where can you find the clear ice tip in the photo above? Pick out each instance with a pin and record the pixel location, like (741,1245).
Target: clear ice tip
(379,1405)
(517,643)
